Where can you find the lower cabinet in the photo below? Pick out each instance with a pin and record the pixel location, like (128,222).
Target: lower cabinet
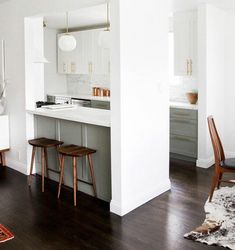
(95,137)
(183,133)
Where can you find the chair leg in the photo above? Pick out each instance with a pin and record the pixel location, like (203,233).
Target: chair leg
(92,174)
(31,166)
(0,158)
(3,159)
(214,184)
(46,158)
(43,167)
(61,176)
(75,180)
(220,177)
(59,159)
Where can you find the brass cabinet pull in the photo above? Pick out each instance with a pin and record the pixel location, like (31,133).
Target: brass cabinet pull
(191,66)
(182,121)
(90,67)
(181,138)
(187,67)
(181,114)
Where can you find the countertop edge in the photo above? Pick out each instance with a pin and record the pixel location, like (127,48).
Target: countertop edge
(68,118)
(82,96)
(182,105)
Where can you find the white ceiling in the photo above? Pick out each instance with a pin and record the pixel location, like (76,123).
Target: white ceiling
(90,16)
(191,4)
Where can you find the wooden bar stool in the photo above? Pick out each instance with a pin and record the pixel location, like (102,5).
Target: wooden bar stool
(2,156)
(75,152)
(42,143)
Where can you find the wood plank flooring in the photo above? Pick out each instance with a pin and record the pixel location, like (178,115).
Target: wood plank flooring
(40,221)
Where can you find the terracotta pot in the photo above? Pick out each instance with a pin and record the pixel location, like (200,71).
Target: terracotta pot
(192,97)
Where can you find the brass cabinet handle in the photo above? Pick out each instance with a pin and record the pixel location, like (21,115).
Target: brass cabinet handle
(90,67)
(187,67)
(181,114)
(191,66)
(182,121)
(181,138)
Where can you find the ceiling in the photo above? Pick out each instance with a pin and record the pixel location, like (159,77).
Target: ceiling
(191,4)
(84,17)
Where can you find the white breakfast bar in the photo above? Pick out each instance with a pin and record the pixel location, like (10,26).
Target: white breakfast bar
(83,126)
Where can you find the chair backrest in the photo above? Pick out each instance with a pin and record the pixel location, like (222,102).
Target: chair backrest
(216,142)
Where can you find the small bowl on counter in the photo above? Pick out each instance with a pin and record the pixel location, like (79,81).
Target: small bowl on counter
(192,97)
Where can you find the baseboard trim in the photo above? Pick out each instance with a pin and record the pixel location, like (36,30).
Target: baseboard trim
(18,166)
(121,210)
(230,154)
(182,157)
(205,163)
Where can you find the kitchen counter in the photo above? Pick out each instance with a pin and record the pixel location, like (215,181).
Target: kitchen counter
(87,127)
(85,115)
(183,105)
(81,96)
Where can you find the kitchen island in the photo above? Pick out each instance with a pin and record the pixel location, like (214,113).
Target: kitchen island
(81,126)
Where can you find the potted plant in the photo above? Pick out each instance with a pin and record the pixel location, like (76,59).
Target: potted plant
(192,96)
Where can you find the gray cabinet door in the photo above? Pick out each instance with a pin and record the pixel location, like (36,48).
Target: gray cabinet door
(183,145)
(183,132)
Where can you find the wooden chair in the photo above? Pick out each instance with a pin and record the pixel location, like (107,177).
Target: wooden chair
(75,152)
(222,165)
(43,144)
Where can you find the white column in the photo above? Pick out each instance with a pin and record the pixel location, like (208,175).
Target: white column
(211,78)
(34,73)
(140,102)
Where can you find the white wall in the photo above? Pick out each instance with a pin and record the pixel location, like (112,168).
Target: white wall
(211,52)
(229,128)
(141,103)
(54,82)
(12,15)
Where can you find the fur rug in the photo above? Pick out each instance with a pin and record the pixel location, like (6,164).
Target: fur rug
(219,225)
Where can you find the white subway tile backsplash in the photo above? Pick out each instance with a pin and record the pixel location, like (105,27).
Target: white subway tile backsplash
(178,90)
(82,84)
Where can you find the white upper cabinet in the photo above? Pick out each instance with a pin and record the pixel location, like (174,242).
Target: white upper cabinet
(185,43)
(87,58)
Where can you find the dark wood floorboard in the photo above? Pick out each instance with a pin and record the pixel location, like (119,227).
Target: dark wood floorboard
(40,221)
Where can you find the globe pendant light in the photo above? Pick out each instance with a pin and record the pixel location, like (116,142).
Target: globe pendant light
(104,37)
(67,42)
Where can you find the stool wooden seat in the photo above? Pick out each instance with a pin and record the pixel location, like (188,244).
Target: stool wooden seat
(75,152)
(44,144)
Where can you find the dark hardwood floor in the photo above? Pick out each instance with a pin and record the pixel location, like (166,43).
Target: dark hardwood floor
(40,221)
